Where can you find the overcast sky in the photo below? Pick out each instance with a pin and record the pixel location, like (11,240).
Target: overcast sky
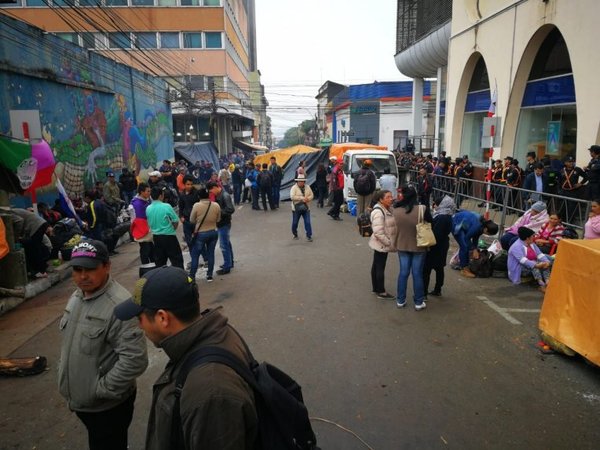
(303,43)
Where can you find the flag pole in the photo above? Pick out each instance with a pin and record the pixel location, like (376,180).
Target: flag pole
(488,190)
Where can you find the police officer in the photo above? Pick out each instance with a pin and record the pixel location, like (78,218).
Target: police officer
(572,180)
(531,161)
(513,177)
(593,173)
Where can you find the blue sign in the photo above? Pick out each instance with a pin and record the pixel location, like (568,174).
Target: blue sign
(553,138)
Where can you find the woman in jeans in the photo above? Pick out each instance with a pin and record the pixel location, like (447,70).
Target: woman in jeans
(412,258)
(381,241)
(205,215)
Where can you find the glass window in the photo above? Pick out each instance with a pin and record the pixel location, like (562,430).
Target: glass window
(169,40)
(146,40)
(195,82)
(552,58)
(88,40)
(167,2)
(213,40)
(214,83)
(62,2)
(471,136)
(192,40)
(212,2)
(36,3)
(89,2)
(116,2)
(70,37)
(119,40)
(190,2)
(550,131)
(142,2)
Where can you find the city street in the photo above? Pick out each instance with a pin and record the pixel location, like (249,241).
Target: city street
(463,374)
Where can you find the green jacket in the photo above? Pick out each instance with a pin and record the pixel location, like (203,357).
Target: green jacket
(101,356)
(217,407)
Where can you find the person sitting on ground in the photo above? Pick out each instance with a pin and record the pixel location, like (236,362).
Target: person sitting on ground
(592,226)
(549,235)
(29,230)
(534,218)
(49,215)
(467,227)
(437,255)
(525,258)
(382,240)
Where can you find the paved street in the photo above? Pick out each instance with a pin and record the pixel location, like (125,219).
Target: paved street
(463,374)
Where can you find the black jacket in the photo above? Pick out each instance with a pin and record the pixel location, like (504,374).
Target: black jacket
(186,203)
(227,208)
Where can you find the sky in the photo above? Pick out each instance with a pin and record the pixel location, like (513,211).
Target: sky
(303,43)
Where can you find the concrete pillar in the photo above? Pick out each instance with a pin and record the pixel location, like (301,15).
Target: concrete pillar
(417,109)
(438,110)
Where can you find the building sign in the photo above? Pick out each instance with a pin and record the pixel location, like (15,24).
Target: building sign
(363,109)
(553,138)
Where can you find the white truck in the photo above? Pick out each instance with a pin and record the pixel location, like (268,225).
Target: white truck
(353,159)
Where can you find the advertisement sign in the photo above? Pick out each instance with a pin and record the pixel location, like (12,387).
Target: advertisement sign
(553,138)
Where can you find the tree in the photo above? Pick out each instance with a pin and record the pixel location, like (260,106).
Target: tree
(303,134)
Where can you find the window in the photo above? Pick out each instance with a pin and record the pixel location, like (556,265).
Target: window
(36,3)
(88,40)
(215,83)
(195,82)
(116,2)
(192,40)
(70,37)
(142,2)
(146,40)
(212,2)
(119,40)
(169,40)
(89,2)
(213,40)
(190,2)
(167,2)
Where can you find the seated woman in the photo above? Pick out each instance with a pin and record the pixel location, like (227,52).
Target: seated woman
(534,218)
(525,258)
(549,235)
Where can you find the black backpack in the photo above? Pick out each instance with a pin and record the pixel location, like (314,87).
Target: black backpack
(362,183)
(265,180)
(482,267)
(283,421)
(364,224)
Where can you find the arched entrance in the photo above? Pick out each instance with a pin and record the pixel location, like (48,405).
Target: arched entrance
(547,122)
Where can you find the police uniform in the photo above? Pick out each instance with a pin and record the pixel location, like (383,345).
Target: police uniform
(593,174)
(570,186)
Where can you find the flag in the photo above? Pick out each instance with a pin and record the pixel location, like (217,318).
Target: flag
(32,164)
(492,108)
(66,203)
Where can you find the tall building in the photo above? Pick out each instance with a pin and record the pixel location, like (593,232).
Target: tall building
(204,49)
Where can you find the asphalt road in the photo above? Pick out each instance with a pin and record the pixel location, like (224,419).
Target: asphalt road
(463,374)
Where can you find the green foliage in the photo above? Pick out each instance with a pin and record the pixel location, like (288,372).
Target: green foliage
(297,135)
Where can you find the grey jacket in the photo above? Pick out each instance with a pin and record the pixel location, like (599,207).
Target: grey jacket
(217,407)
(101,356)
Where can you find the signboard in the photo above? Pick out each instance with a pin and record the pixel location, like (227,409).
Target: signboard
(553,138)
(490,124)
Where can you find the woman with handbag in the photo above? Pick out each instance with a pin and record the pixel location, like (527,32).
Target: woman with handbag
(407,214)
(301,195)
(382,240)
(205,215)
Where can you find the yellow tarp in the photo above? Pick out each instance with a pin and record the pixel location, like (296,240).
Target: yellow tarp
(282,155)
(338,150)
(571,309)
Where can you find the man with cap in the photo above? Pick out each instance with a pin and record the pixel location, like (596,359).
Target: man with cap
(301,195)
(525,258)
(101,356)
(111,192)
(216,407)
(364,185)
(593,173)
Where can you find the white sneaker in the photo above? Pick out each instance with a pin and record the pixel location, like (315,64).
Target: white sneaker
(420,307)
(400,305)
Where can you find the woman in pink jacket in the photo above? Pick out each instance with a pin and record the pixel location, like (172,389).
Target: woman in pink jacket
(592,226)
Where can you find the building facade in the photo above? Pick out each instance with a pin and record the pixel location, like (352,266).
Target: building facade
(204,49)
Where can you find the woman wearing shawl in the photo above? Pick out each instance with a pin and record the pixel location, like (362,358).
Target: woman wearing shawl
(444,209)
(526,259)
(534,218)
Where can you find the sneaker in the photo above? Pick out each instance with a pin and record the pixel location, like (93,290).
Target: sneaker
(295,237)
(400,305)
(209,279)
(467,273)
(420,306)
(309,239)
(384,295)
(223,271)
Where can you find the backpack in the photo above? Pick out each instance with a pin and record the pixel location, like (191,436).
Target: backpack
(364,224)
(283,421)
(362,183)
(265,180)
(500,265)
(482,267)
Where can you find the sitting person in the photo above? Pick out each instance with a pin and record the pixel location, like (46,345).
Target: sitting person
(30,231)
(534,218)
(549,235)
(525,258)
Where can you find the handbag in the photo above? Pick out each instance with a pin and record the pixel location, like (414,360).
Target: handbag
(300,207)
(425,236)
(248,183)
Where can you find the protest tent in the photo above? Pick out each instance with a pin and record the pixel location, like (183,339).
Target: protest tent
(198,151)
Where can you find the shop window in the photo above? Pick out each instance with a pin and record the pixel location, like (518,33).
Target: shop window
(213,40)
(192,40)
(169,40)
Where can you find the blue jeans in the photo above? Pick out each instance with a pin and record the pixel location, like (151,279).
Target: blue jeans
(296,218)
(188,230)
(226,248)
(411,262)
(237,193)
(275,194)
(204,244)
(465,243)
(254,197)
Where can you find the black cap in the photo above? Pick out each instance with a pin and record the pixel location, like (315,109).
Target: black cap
(166,287)
(569,159)
(595,148)
(89,254)
(525,232)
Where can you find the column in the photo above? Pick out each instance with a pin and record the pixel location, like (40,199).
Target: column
(417,110)
(438,110)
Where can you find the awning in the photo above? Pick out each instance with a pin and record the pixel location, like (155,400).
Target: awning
(248,147)
(199,152)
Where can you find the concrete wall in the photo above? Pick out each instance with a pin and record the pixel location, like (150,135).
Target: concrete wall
(508,34)
(95,113)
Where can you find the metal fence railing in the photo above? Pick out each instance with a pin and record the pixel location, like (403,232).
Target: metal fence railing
(506,203)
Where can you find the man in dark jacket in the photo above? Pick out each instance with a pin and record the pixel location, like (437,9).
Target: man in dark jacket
(593,173)
(187,198)
(224,225)
(364,185)
(265,187)
(128,185)
(536,181)
(277,173)
(217,408)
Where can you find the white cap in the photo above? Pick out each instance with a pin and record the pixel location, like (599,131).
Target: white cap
(333,158)
(154,173)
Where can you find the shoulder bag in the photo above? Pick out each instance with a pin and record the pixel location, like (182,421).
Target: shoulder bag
(425,236)
(193,241)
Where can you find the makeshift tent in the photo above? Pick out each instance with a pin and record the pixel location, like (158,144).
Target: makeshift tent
(338,150)
(571,311)
(283,155)
(311,161)
(198,152)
